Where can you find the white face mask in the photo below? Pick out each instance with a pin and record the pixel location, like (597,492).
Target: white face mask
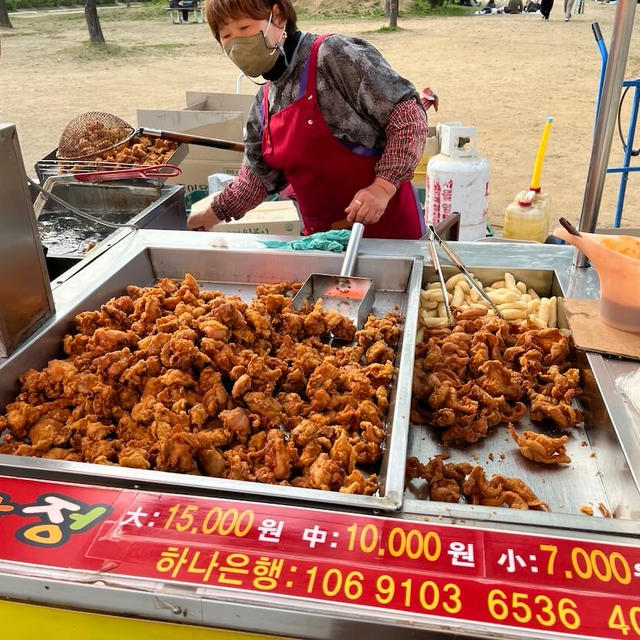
(252,54)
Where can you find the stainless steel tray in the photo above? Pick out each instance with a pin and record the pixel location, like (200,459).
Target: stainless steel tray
(67,236)
(598,473)
(397,288)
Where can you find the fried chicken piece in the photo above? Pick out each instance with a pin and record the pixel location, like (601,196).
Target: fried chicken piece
(355,482)
(441,487)
(367,453)
(343,452)
(541,448)
(262,377)
(59,453)
(277,456)
(215,399)
(20,416)
(266,407)
(498,380)
(315,323)
(604,511)
(238,464)
(178,452)
(501,491)
(236,423)
(214,329)
(211,462)
(325,473)
(134,457)
(99,451)
(340,326)
(280,288)
(561,413)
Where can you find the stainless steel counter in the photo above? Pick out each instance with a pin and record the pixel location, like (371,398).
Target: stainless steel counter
(291,617)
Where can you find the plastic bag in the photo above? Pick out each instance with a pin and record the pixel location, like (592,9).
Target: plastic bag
(629,385)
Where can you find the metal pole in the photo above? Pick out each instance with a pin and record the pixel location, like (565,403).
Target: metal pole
(606,119)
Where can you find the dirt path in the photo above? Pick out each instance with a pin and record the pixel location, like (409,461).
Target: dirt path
(502,74)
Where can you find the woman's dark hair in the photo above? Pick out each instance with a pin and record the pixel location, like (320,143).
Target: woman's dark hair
(218,12)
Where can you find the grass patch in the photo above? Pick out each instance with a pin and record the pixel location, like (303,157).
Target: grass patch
(87,52)
(422,8)
(13,33)
(165,46)
(335,14)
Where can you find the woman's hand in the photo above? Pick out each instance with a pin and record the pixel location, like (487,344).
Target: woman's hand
(202,218)
(370,203)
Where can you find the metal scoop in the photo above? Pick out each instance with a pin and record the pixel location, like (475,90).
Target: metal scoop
(350,296)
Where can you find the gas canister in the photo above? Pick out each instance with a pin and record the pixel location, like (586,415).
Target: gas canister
(458,181)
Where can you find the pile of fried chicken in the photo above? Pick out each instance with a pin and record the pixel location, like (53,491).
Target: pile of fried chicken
(484,371)
(448,482)
(478,374)
(141,150)
(178,379)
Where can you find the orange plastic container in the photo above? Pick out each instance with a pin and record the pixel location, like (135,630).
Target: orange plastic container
(617,261)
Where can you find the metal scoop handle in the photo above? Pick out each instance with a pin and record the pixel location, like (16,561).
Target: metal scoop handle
(463,270)
(155,171)
(351,254)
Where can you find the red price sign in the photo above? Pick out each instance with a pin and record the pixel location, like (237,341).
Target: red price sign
(529,581)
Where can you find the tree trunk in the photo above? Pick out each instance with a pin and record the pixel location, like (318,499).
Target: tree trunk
(93,22)
(4,15)
(393,13)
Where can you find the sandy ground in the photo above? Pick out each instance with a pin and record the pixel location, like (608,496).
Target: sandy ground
(502,74)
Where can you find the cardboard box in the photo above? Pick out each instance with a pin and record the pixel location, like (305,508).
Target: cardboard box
(195,173)
(203,101)
(279,217)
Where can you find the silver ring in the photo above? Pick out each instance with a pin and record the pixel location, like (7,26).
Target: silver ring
(357,201)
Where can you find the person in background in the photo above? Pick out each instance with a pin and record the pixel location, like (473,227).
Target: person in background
(568,8)
(333,122)
(545,8)
(513,6)
(487,7)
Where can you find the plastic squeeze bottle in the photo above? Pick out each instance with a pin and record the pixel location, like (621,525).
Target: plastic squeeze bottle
(528,216)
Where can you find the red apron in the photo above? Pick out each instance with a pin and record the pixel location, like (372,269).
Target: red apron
(323,173)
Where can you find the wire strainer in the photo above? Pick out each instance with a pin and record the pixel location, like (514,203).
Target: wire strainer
(92,133)
(95,132)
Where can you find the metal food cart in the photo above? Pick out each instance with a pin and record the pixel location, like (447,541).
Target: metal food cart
(106,549)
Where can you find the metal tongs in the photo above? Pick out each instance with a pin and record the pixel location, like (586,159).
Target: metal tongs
(451,254)
(436,263)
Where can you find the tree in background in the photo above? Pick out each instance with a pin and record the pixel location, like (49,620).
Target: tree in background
(4,15)
(391,9)
(393,13)
(93,22)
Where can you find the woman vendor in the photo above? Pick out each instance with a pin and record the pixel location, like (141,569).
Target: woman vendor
(333,122)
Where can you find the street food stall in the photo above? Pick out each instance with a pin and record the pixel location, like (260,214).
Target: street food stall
(183,452)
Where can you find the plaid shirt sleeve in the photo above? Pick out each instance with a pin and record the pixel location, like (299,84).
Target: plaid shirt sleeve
(406,132)
(243,194)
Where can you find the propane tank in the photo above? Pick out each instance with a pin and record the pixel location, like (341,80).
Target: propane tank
(458,181)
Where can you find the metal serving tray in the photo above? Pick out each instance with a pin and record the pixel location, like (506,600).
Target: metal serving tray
(234,272)
(599,472)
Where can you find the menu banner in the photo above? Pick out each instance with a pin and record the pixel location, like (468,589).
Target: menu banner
(545,583)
